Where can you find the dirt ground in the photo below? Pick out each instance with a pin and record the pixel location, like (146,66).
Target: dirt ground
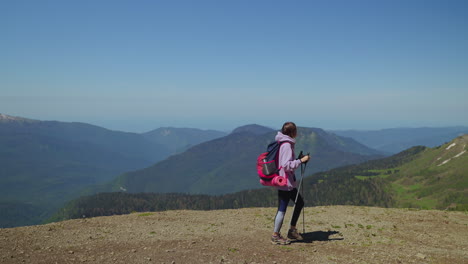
(333,234)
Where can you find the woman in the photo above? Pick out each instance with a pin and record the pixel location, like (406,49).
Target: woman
(288,164)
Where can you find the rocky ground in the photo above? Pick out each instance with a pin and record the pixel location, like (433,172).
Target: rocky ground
(334,234)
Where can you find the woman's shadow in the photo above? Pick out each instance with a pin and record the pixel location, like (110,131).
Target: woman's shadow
(319,236)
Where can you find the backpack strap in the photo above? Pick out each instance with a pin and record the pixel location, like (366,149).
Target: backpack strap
(280,143)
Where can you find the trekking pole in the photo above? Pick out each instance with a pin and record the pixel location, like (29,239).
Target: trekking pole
(301,183)
(303,196)
(302,186)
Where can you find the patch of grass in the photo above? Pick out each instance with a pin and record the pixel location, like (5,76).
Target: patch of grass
(384,173)
(426,203)
(336,226)
(286,248)
(414,187)
(362,177)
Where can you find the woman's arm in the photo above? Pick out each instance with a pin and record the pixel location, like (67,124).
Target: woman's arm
(286,159)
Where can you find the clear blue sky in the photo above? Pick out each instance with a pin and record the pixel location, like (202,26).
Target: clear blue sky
(140,65)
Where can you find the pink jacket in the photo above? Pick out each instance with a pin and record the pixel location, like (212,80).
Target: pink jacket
(287,161)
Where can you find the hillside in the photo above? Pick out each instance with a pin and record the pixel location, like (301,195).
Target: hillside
(428,178)
(227,164)
(438,178)
(46,163)
(394,140)
(333,234)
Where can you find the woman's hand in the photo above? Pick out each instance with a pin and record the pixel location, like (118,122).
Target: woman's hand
(305,158)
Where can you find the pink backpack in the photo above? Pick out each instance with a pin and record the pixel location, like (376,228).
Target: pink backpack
(267,167)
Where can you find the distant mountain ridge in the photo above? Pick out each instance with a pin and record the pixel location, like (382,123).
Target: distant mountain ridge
(177,140)
(252,128)
(7,118)
(394,140)
(227,164)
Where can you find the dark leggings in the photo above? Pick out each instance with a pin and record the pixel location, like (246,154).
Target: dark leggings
(283,201)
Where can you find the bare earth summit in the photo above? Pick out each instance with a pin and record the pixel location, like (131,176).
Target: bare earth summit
(333,234)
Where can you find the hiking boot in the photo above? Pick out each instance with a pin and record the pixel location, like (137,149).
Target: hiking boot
(293,234)
(279,240)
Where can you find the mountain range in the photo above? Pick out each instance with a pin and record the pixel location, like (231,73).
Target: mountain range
(394,140)
(46,163)
(227,164)
(420,178)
